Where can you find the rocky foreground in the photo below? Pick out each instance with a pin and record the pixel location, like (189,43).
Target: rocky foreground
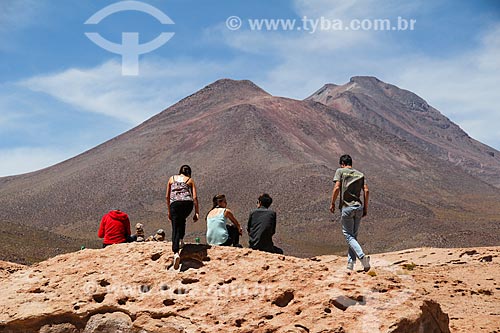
(133,288)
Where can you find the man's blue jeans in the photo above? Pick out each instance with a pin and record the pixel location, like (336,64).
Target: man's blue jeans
(351,218)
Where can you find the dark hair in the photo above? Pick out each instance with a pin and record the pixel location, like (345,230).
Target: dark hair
(216,200)
(266,200)
(345,160)
(185,170)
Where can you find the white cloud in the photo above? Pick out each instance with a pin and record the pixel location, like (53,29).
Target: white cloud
(26,159)
(16,15)
(356,9)
(464,86)
(289,43)
(101,90)
(309,60)
(5,119)
(131,99)
(16,109)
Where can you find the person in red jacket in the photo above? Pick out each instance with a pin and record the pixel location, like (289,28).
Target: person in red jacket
(115,228)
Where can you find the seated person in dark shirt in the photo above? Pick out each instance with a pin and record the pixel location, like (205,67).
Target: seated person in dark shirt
(262,226)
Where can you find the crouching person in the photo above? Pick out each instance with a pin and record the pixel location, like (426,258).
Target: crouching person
(262,226)
(115,228)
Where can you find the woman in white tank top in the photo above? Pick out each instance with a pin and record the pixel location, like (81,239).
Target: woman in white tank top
(218,231)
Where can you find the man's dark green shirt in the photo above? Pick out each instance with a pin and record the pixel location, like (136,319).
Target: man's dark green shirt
(351,183)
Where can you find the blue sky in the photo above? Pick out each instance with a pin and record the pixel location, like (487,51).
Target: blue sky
(61,94)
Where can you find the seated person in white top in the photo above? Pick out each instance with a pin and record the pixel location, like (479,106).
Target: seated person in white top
(218,231)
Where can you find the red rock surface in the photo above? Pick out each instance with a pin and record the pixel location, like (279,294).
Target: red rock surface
(7,268)
(132,288)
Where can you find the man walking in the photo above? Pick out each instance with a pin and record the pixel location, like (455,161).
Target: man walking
(349,183)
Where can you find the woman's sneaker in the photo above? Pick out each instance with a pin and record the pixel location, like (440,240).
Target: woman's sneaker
(365,261)
(350,265)
(177,261)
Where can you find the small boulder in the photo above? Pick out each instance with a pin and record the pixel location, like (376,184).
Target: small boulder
(117,322)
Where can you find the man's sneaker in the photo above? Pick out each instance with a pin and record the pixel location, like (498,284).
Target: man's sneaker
(177,260)
(350,265)
(181,243)
(365,261)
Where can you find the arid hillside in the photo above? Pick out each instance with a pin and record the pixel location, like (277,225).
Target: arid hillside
(242,141)
(408,116)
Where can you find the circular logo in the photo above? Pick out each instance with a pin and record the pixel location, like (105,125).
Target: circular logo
(233,23)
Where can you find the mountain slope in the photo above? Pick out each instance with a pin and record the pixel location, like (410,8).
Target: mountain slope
(241,141)
(406,115)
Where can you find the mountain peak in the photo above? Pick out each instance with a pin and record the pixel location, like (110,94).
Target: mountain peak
(330,85)
(221,92)
(331,91)
(364,79)
(369,83)
(232,86)
(322,94)
(241,141)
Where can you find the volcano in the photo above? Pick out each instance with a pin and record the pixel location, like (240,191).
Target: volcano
(406,115)
(431,184)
